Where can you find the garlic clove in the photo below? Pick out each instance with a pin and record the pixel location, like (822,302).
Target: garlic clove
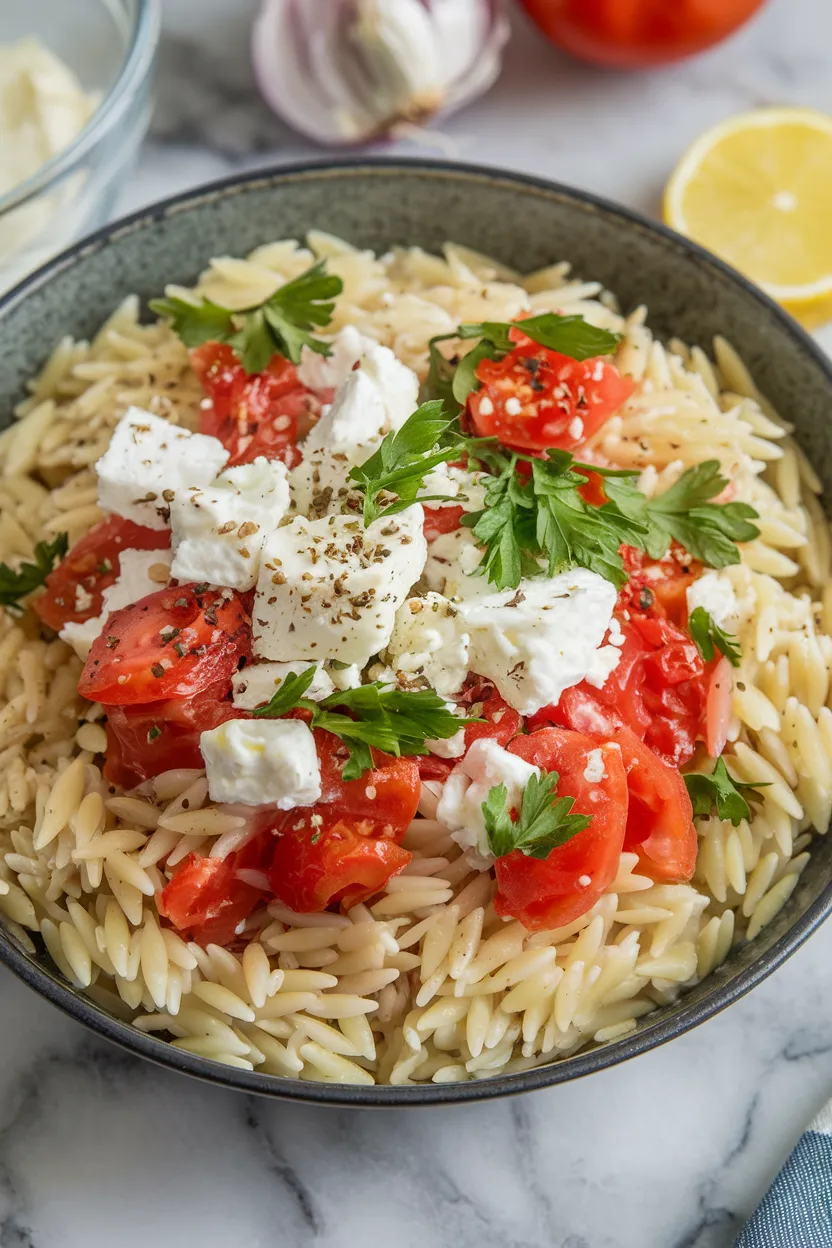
(356,69)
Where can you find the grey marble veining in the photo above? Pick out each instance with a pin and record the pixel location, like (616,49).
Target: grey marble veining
(673,1150)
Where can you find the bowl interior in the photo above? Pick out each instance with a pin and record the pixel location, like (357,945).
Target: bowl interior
(524,223)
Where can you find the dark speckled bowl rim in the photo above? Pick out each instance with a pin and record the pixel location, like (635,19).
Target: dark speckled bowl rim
(685,1017)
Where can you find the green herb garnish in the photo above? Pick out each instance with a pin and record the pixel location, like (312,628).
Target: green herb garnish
(397,722)
(282,325)
(718,791)
(709,637)
(402,461)
(544,820)
(18,583)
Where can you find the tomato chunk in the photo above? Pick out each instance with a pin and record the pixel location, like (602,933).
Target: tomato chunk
(501,724)
(172,644)
(206,902)
(254,414)
(535,398)
(442,520)
(74,589)
(657,588)
(337,861)
(551,892)
(148,738)
(386,797)
(660,820)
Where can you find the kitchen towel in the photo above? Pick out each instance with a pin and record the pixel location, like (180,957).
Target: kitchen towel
(796,1211)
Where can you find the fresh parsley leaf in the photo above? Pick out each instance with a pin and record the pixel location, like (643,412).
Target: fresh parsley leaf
(709,636)
(708,531)
(570,335)
(544,517)
(544,820)
(388,719)
(17,583)
(195,322)
(402,461)
(718,791)
(281,325)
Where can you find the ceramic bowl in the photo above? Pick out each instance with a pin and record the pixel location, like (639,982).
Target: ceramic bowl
(524,222)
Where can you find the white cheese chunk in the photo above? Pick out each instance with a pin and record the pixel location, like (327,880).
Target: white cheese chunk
(257,683)
(715,593)
(348,677)
(397,385)
(541,638)
(428,641)
(346,435)
(594,771)
(330,589)
(457,486)
(450,556)
(262,762)
(448,747)
(219,529)
(467,787)
(134,583)
(148,461)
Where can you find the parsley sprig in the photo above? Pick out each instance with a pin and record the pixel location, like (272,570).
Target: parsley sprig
(544,820)
(719,792)
(282,325)
(398,722)
(402,460)
(708,531)
(17,583)
(709,637)
(569,335)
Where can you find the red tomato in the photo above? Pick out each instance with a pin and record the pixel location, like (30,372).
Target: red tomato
(91,566)
(441,520)
(658,587)
(634,33)
(387,796)
(258,414)
(205,900)
(659,690)
(146,739)
(560,401)
(336,862)
(551,892)
(660,820)
(172,644)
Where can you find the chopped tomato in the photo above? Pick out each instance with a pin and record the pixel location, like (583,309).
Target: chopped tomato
(554,891)
(146,739)
(718,707)
(502,723)
(206,902)
(659,690)
(254,414)
(172,644)
(658,587)
(535,398)
(75,588)
(387,796)
(441,520)
(660,820)
(337,861)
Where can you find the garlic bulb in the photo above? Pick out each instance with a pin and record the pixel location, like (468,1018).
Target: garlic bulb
(346,71)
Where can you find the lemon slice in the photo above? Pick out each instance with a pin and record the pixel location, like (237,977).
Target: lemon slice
(757,191)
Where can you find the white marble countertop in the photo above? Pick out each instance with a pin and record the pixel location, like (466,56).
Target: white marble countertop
(672,1150)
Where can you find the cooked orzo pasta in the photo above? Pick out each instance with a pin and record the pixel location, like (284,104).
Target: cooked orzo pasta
(270,827)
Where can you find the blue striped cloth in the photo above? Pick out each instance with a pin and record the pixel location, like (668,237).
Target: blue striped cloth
(796,1211)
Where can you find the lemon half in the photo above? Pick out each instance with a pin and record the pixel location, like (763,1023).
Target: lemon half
(757,191)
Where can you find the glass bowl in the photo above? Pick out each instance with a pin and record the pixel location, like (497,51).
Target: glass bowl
(110,45)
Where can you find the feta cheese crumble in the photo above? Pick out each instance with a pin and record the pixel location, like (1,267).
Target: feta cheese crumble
(594,772)
(219,529)
(330,589)
(257,683)
(134,583)
(468,786)
(456,486)
(541,638)
(262,762)
(428,642)
(396,384)
(148,461)
(715,593)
